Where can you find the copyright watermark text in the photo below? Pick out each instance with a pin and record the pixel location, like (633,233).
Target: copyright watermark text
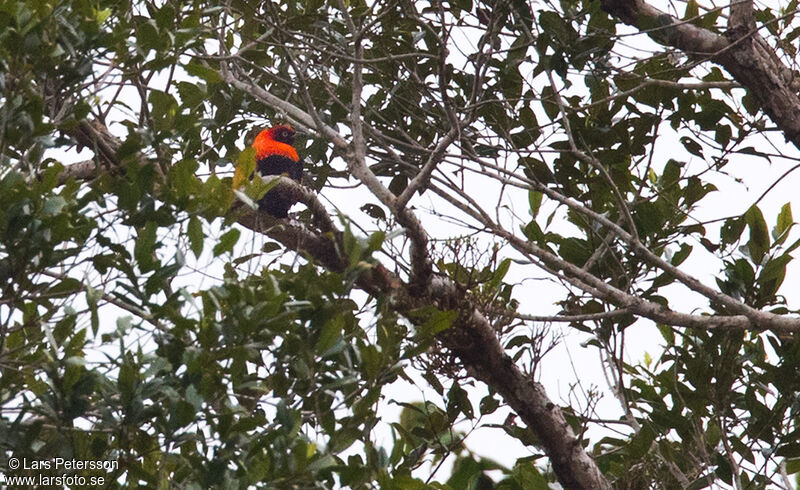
(25,472)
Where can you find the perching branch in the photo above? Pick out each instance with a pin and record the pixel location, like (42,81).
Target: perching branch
(471,337)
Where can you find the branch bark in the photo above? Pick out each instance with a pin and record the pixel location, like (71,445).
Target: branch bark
(749,318)
(471,338)
(474,341)
(741,51)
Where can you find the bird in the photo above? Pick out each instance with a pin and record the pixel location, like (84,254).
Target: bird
(275,155)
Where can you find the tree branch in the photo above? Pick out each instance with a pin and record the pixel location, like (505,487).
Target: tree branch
(587,282)
(471,337)
(474,341)
(741,51)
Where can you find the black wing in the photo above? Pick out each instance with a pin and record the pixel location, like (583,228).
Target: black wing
(279,164)
(278,201)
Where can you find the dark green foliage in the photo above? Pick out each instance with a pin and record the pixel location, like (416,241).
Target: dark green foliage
(244,364)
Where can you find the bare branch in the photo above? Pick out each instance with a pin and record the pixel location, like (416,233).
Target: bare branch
(85,170)
(742,52)
(471,337)
(434,158)
(588,317)
(591,161)
(474,341)
(753,319)
(304,118)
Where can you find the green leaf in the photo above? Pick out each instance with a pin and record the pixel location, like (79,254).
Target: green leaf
(556,26)
(759,234)
(772,276)
(439,321)
(533,232)
(432,320)
(458,402)
(331,332)
(92,297)
(640,444)
(196,236)
(784,223)
(649,217)
(246,162)
(164,108)
(53,205)
(195,68)
(732,230)
(488,404)
(667,333)
(498,275)
(322,463)
(535,202)
(574,250)
(375,241)
(790,450)
(528,476)
(792,466)
(102,15)
(681,254)
(692,146)
(550,103)
(145,247)
(226,242)
(374,211)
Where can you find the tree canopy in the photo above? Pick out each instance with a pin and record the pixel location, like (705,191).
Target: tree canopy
(487,181)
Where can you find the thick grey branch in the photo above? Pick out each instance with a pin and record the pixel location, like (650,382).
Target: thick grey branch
(474,341)
(741,19)
(423,177)
(742,52)
(471,338)
(290,109)
(587,282)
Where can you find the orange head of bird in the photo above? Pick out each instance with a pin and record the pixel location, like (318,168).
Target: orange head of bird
(277,140)
(282,133)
